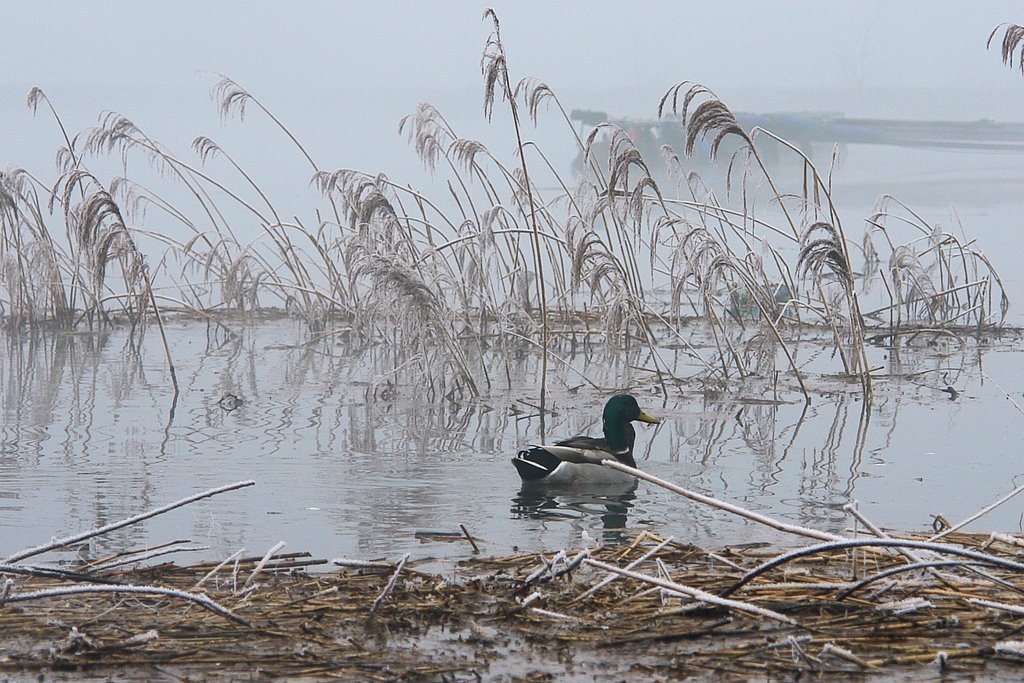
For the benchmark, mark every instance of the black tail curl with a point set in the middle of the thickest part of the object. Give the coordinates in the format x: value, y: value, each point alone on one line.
x: 535, y: 463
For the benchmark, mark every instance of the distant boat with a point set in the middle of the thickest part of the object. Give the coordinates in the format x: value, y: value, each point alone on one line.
x: 813, y: 130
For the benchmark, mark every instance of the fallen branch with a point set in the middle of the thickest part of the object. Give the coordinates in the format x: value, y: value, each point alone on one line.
x: 469, y: 538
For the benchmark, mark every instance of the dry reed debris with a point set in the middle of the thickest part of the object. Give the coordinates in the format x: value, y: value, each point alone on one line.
x: 397, y: 622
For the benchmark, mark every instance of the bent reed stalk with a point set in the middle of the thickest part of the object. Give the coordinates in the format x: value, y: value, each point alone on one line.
x: 495, y: 70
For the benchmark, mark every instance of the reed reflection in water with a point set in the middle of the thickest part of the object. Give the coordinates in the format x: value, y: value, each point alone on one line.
x: 348, y: 460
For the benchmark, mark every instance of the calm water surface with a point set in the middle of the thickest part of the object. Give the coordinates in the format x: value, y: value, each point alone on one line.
x: 347, y: 465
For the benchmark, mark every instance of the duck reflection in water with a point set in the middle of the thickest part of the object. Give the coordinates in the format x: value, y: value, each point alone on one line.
x: 610, y: 504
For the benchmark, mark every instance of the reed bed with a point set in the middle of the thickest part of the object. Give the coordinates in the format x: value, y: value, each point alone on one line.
x: 870, y: 604
x: 484, y: 256
x: 541, y: 615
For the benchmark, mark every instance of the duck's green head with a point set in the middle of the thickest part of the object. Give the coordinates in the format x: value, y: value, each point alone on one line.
x: 623, y: 408
x: 618, y: 413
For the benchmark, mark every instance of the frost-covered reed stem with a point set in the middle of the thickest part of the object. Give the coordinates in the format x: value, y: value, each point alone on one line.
x: 976, y: 515
x: 545, y: 568
x: 142, y: 557
x: 391, y: 583
x: 695, y: 593
x: 852, y: 509
x: 846, y: 592
x: 99, y: 531
x: 361, y: 564
x: 1015, y: 609
x: 874, y: 543
x: 263, y: 563
x: 552, y: 615
x: 201, y: 600
x: 225, y: 561
x: 632, y: 565
x: 495, y: 69
x: 722, y: 505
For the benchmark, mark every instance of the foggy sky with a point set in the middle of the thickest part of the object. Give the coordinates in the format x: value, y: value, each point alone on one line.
x: 342, y: 74
x: 431, y: 45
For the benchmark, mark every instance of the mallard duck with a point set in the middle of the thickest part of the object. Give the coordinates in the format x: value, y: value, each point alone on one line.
x: 578, y: 460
